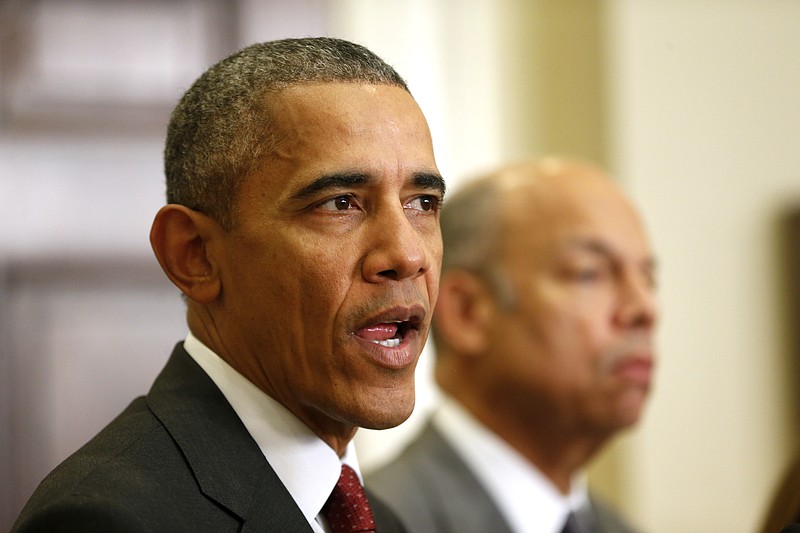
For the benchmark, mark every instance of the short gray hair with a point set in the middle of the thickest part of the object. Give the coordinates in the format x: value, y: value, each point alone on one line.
x: 472, y: 235
x: 221, y: 130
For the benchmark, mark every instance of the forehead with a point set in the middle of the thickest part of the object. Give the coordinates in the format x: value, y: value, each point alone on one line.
x: 339, y: 128
x: 332, y: 127
x: 581, y: 215
x: 354, y: 110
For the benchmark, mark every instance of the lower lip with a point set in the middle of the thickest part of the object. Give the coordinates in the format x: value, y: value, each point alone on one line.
x: 635, y: 370
x: 396, y: 358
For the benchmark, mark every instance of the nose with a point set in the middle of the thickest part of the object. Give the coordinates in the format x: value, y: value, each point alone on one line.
x: 637, y: 308
x: 396, y: 249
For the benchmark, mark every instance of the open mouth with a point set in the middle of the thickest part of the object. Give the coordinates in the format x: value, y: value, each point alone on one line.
x: 388, y: 334
x: 391, y: 328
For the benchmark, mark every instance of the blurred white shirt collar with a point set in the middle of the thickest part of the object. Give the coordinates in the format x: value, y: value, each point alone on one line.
x: 527, y: 499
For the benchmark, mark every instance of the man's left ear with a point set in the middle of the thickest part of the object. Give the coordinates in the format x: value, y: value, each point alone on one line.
x: 180, y: 239
x: 463, y: 313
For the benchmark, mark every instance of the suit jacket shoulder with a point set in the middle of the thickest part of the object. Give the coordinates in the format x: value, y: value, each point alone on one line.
x: 433, y: 490
x: 608, y: 520
x: 178, y: 460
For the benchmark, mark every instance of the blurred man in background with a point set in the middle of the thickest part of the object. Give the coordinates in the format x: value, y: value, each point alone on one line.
x: 544, y: 351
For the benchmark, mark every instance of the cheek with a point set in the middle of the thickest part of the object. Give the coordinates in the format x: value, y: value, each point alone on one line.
x: 576, y: 319
x: 593, y: 326
x: 545, y: 318
x: 559, y: 343
x: 320, y: 289
x: 285, y: 287
x: 432, y: 285
x: 576, y: 340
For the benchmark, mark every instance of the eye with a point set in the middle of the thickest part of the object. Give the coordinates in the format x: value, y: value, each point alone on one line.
x: 587, y: 275
x: 425, y: 202
x: 338, y: 203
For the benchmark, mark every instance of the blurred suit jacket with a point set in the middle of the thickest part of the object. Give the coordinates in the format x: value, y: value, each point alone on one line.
x: 177, y: 460
x: 784, y: 508
x: 432, y: 490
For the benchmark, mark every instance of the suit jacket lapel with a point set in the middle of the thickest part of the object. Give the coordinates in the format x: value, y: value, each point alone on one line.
x: 463, y: 499
x: 226, y: 461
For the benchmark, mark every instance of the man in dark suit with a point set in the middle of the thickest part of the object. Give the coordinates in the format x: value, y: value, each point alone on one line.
x: 543, y: 334
x: 302, y: 228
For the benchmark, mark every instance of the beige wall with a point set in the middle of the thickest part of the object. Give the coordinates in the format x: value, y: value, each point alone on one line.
x: 706, y: 132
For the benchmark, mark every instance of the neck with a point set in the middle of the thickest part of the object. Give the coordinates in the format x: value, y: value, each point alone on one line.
x: 334, y: 433
x: 555, y: 449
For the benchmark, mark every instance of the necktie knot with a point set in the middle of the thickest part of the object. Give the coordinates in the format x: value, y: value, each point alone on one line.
x: 581, y: 520
x: 347, y: 508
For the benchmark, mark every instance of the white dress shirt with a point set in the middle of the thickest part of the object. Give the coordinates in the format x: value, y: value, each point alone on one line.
x: 295, y: 452
x: 527, y: 499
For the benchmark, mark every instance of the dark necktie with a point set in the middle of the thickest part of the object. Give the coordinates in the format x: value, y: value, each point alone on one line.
x: 581, y: 520
x: 347, y: 508
x: 572, y: 525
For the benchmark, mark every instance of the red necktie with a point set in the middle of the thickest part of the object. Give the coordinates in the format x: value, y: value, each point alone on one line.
x: 347, y: 508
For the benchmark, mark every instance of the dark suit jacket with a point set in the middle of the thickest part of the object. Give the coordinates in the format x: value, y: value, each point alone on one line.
x: 177, y: 460
x: 433, y: 490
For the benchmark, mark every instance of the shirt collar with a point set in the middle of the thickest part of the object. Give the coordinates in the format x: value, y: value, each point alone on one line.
x: 295, y: 452
x: 528, y: 500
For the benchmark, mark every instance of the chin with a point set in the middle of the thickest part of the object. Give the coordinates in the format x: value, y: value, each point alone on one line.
x: 387, y: 411
x: 629, y: 410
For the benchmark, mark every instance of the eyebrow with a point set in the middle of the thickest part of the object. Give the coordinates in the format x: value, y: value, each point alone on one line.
x: 344, y: 180
x: 429, y: 180
x: 331, y: 182
x: 589, y: 245
x: 600, y: 248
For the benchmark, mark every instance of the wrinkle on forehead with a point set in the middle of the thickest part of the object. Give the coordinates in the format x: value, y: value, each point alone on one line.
x: 302, y: 110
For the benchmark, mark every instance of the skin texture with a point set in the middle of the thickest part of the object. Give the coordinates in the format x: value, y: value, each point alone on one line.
x: 568, y: 363
x: 336, y: 240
